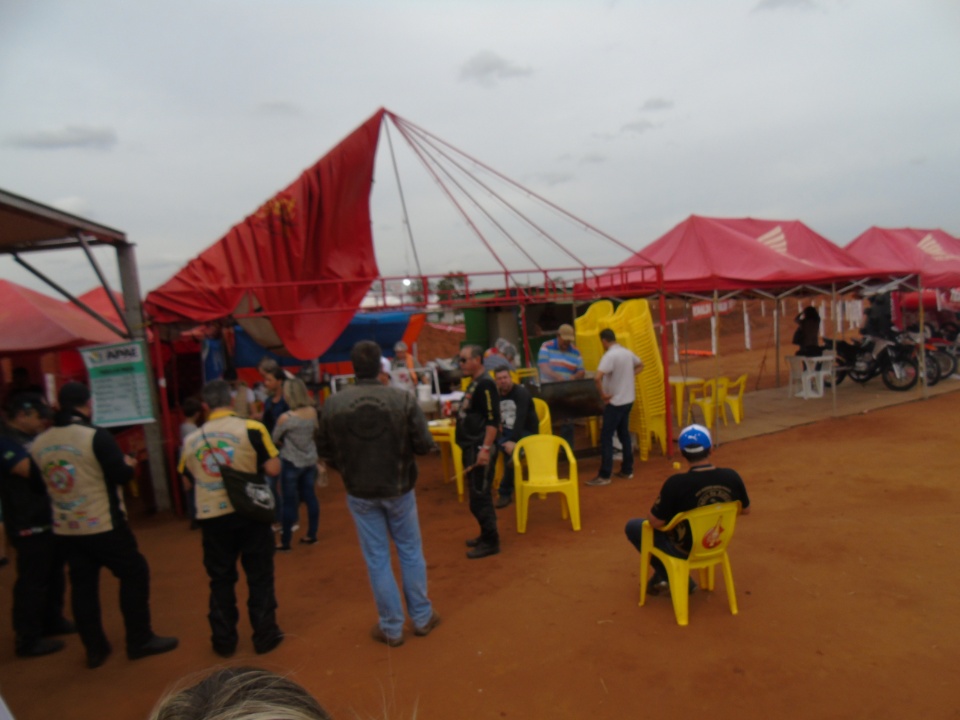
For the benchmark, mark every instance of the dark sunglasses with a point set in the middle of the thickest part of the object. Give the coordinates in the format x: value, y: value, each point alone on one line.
x: 462, y: 359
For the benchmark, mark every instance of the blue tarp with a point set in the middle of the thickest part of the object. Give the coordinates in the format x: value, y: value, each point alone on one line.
x: 385, y: 329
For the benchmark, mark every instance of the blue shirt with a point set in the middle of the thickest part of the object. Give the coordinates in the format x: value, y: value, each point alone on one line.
x: 566, y: 363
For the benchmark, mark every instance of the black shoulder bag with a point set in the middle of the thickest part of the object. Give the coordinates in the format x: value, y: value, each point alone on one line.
x: 248, y: 492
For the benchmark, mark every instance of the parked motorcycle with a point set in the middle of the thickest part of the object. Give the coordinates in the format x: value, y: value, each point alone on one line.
x: 864, y: 359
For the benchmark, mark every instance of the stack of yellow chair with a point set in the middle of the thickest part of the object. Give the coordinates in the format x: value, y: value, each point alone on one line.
x: 588, y: 332
x: 633, y: 325
x: 588, y: 329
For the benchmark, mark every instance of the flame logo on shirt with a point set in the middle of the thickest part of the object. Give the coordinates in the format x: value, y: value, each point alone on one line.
x: 60, y: 476
x: 712, y: 538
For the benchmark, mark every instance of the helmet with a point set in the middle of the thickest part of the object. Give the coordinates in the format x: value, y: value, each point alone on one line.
x: 695, y: 438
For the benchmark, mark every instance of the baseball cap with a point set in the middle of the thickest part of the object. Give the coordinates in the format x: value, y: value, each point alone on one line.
x: 695, y: 438
x: 73, y: 395
x: 566, y: 332
x: 29, y: 401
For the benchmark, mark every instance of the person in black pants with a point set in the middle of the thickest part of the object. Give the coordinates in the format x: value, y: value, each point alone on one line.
x: 84, y: 469
x: 228, y: 440
x: 39, y: 589
x: 478, y: 424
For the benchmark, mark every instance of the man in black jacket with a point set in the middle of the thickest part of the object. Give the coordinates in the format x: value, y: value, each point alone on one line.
x: 39, y: 589
x: 519, y: 418
x: 370, y: 432
x: 478, y: 424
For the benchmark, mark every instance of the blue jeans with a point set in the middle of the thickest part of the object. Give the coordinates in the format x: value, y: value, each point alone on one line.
x: 661, y: 541
x: 378, y: 520
x: 616, y: 419
x: 297, y: 483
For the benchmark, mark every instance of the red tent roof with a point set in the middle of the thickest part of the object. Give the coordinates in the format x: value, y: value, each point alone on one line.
x: 33, y: 322
x: 307, y: 249
x: 933, y: 254
x: 703, y: 254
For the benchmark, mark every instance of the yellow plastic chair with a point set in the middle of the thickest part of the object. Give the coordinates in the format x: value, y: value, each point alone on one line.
x: 444, y: 435
x: 543, y: 415
x: 711, y: 528
x: 544, y: 428
x: 593, y: 428
x: 539, y: 475
x: 731, y: 393
x: 530, y: 372
x: 705, y: 397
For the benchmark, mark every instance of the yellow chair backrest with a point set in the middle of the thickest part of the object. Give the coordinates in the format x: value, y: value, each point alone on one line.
x: 543, y: 415
x: 731, y: 393
x: 537, y: 473
x: 711, y: 528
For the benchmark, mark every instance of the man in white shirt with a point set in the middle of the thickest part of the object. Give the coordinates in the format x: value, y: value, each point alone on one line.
x: 615, y: 378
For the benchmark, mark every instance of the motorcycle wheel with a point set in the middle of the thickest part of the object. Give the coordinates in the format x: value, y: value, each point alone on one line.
x: 933, y: 369
x: 866, y: 371
x: 947, y: 363
x: 900, y: 375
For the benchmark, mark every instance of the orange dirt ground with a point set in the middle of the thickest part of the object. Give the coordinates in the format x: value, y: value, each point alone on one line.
x: 842, y: 578
x: 841, y: 574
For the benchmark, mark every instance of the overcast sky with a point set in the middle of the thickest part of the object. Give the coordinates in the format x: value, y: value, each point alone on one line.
x: 174, y: 120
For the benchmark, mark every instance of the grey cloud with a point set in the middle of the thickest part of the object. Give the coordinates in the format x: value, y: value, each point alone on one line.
x: 488, y: 68
x: 278, y: 107
x: 784, y: 4
x: 71, y: 136
x: 554, y: 178
x: 656, y: 104
x: 593, y: 159
x: 638, y: 126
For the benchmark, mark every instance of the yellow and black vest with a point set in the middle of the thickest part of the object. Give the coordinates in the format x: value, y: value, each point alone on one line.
x: 226, y: 443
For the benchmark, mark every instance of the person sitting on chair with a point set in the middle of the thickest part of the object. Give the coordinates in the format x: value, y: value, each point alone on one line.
x: 807, y: 335
x: 702, y: 484
x: 518, y: 417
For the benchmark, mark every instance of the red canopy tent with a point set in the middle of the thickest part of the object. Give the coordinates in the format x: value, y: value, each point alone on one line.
x: 308, y: 249
x: 932, y: 254
x: 704, y: 254
x: 33, y: 322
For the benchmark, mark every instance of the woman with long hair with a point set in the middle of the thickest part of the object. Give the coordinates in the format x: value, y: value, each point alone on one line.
x: 294, y: 434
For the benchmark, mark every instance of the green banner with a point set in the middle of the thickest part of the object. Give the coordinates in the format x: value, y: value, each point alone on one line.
x: 118, y: 383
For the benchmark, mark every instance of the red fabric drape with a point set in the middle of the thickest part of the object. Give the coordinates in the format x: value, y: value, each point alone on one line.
x: 316, y: 231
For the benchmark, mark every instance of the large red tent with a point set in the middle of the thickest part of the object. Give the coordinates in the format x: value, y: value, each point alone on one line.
x: 704, y: 254
x: 304, y: 259
x: 34, y: 322
x: 932, y: 254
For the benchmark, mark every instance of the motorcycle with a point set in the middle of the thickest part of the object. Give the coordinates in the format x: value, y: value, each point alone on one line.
x: 864, y: 359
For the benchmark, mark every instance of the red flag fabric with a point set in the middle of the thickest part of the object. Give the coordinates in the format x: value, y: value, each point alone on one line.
x: 305, y: 258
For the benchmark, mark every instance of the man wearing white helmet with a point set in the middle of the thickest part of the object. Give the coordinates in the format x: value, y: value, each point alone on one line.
x: 702, y: 484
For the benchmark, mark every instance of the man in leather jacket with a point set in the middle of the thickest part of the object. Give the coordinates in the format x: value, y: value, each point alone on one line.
x: 370, y: 432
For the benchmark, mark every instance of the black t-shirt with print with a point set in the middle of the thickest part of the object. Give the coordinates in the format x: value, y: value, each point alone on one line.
x: 696, y: 488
